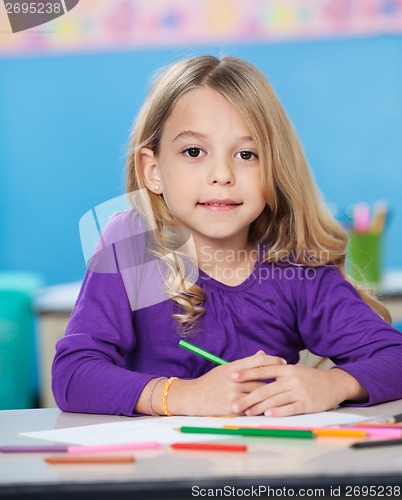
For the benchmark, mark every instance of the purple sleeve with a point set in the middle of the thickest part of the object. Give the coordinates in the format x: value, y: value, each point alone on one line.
x: 335, y: 322
x: 88, y: 374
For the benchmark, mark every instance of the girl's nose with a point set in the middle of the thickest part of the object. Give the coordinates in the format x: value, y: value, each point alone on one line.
x: 221, y: 173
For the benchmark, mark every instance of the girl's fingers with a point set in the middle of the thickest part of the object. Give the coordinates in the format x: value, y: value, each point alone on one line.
x: 257, y: 360
x: 267, y: 372
x: 267, y: 405
x: 262, y: 394
x: 278, y: 405
x: 295, y: 408
x: 250, y: 387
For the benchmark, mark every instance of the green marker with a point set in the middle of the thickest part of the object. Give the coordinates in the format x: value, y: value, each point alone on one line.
x: 202, y: 352
x: 279, y: 433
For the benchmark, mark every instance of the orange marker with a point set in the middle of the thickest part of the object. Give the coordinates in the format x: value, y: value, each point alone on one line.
x: 339, y: 433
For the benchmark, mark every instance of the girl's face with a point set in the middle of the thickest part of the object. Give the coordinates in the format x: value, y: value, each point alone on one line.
x: 208, y: 170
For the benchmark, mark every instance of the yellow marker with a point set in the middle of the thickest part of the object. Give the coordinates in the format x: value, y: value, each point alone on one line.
x: 380, y: 213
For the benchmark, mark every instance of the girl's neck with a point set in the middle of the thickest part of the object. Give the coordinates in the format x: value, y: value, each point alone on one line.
x: 227, y: 265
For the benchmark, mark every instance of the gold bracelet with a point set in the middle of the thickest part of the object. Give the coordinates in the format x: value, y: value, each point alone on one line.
x: 165, y: 393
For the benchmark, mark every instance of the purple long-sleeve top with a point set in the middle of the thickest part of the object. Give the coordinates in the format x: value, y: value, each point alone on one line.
x: 112, y: 349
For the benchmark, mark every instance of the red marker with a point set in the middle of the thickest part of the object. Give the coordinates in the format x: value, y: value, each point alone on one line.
x: 209, y: 446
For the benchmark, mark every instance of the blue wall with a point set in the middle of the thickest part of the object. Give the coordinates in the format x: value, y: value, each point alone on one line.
x: 65, y: 122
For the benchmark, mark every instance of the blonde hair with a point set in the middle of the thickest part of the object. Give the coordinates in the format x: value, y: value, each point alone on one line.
x: 295, y: 220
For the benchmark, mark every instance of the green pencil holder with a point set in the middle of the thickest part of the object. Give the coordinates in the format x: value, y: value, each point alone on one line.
x: 364, y: 262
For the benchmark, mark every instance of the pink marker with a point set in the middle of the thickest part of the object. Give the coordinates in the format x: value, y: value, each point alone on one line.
x: 150, y: 445
x: 377, y: 432
x: 361, y: 218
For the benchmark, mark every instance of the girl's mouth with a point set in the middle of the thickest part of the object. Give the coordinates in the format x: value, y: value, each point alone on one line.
x: 220, y: 205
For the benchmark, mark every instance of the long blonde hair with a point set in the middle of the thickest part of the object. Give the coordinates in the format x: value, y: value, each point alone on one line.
x: 295, y: 220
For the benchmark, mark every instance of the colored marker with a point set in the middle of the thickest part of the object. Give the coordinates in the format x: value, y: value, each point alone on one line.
x: 379, y: 217
x: 113, y: 447
x: 95, y: 459
x: 340, y: 432
x: 376, y: 443
x: 361, y: 217
x: 209, y: 446
x: 202, y: 352
x: 380, y: 426
x: 280, y: 433
x: 394, y: 419
x: 33, y: 449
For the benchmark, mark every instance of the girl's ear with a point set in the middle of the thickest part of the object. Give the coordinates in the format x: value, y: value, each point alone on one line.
x: 150, y: 170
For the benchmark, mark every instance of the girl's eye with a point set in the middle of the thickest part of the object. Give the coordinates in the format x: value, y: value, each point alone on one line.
x: 194, y: 152
x: 247, y: 155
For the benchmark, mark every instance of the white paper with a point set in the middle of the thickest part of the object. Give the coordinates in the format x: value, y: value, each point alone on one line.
x: 164, y: 429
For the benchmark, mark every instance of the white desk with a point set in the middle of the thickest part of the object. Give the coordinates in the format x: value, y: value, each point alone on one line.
x: 322, y: 463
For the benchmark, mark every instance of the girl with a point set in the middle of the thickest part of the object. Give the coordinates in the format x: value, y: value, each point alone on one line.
x: 216, y: 155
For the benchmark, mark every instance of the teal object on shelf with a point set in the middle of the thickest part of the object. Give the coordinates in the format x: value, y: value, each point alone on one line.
x: 17, y: 340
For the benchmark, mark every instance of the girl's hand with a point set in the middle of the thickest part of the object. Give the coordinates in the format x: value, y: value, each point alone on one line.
x: 295, y: 390
x: 214, y: 393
